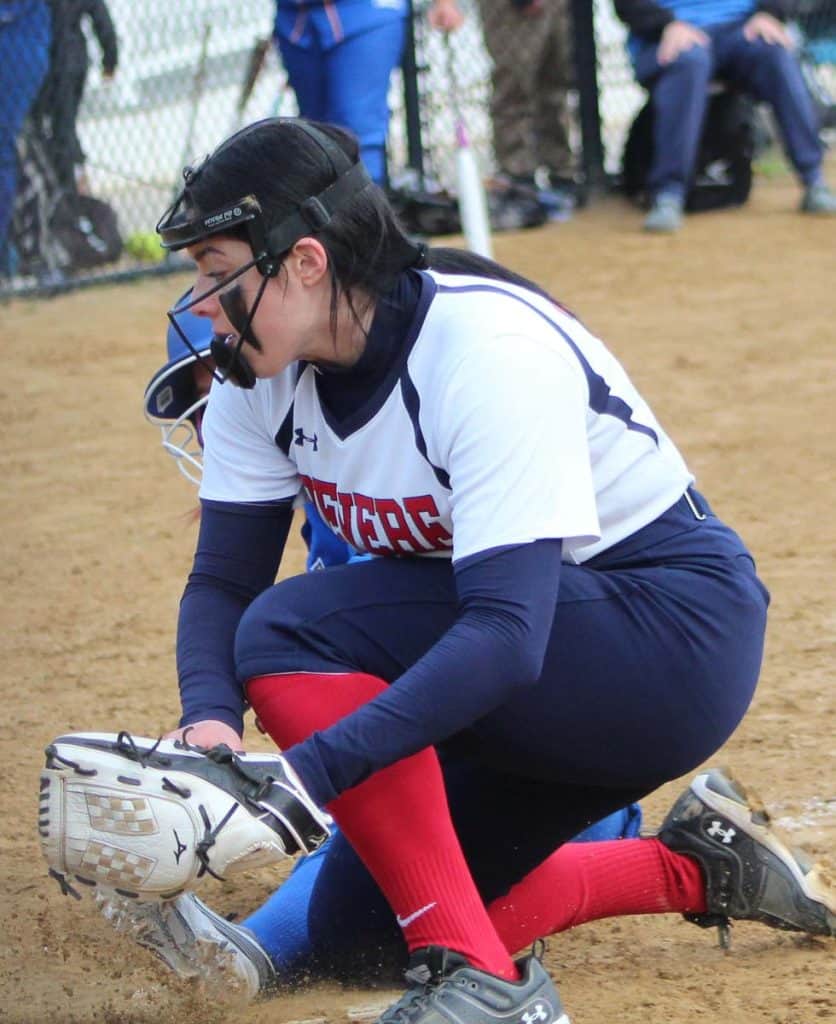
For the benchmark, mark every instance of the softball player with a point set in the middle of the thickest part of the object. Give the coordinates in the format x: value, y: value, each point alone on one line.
x: 339, y: 56
x: 175, y: 401
x: 551, y: 587
x: 296, y: 934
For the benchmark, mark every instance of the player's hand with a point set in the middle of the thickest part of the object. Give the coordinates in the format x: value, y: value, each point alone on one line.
x: 208, y: 733
x: 445, y: 15
x: 766, y: 27
x: 678, y: 37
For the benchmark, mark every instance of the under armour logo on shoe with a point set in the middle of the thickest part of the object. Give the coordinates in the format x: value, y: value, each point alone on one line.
x: 538, y: 1013
x: 302, y: 437
x: 716, y: 831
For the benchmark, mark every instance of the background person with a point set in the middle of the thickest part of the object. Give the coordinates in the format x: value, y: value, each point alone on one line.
x: 677, y: 48
x: 530, y: 44
x: 62, y: 93
x: 339, y: 58
x: 25, y: 33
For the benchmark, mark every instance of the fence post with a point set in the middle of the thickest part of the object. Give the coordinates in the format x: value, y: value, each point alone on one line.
x: 412, y: 102
x: 586, y: 73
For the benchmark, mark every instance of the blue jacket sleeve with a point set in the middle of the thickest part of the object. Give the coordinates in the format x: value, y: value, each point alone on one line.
x: 238, y: 553
x: 507, y: 602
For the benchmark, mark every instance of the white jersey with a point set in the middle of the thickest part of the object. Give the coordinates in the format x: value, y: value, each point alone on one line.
x: 504, y: 421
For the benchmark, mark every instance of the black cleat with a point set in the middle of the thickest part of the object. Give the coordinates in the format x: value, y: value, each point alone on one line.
x: 750, y: 875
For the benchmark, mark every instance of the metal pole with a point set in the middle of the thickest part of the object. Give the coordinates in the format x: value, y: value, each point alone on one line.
x: 586, y: 74
x: 412, y: 102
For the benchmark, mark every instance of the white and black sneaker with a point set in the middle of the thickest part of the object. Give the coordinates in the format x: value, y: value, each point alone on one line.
x: 750, y: 874
x: 445, y: 989
x: 194, y: 942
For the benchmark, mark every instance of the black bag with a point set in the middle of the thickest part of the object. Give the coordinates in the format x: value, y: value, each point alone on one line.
x: 91, y: 236
x: 437, y: 213
x: 723, y: 173
x: 515, y: 207
x: 426, y: 213
x: 51, y: 230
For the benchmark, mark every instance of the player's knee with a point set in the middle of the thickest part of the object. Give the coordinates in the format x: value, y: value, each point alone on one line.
x: 275, y: 633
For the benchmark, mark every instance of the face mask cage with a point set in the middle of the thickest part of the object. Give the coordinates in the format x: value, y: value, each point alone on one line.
x: 181, y: 429
x: 183, y: 441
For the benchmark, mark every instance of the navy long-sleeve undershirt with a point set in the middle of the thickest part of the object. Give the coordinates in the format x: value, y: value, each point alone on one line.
x: 507, y: 601
x: 237, y: 557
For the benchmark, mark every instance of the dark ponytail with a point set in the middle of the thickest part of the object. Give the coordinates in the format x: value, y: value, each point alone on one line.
x: 460, y: 261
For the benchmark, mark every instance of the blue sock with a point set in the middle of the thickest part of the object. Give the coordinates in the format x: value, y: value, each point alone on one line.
x: 623, y: 824
x: 281, y: 924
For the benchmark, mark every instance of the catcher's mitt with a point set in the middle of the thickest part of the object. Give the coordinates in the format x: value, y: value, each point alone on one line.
x: 149, y: 818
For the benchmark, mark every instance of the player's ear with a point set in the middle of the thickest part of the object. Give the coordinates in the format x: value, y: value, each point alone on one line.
x: 310, y: 261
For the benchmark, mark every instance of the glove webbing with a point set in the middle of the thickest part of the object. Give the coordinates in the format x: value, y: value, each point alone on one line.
x: 263, y: 788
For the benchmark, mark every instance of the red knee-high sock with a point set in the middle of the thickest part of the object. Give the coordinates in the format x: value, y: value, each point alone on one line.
x: 397, y: 820
x: 585, y: 881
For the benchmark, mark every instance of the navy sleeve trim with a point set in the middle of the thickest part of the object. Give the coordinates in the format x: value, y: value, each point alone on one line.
x: 249, y: 508
x: 412, y: 404
x: 284, y: 436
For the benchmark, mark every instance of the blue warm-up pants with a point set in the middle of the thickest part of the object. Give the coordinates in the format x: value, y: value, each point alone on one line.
x: 679, y: 93
x: 24, y: 58
x: 339, y: 59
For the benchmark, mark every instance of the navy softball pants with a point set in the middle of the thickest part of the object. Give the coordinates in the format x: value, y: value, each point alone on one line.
x: 653, y: 660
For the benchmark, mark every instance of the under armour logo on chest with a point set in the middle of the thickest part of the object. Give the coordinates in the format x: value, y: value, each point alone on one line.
x: 302, y: 437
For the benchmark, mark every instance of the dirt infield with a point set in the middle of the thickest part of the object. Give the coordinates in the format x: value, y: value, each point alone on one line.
x: 728, y: 330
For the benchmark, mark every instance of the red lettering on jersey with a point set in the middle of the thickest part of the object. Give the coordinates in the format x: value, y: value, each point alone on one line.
x: 423, y: 512
x: 393, y: 521
x: 381, y: 525
x: 367, y: 522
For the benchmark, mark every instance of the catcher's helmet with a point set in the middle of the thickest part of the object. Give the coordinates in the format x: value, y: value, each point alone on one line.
x: 172, y: 401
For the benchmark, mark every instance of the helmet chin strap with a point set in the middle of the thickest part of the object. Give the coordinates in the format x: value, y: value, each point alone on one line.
x: 230, y: 359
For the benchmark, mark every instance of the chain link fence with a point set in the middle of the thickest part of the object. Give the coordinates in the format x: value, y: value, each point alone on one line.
x: 177, y: 91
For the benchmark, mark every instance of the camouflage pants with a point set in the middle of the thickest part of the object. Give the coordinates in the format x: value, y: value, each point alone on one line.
x: 532, y: 56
